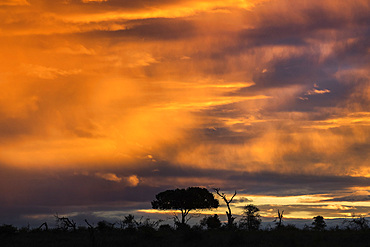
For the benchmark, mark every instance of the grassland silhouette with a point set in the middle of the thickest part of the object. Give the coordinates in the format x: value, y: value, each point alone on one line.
x: 210, y: 231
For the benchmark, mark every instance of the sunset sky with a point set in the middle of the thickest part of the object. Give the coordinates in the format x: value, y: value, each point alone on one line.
x: 105, y: 103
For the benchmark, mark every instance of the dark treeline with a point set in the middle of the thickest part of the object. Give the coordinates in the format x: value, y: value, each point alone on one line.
x: 210, y: 231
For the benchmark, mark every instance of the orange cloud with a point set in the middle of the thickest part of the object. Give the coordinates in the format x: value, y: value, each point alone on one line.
x: 47, y: 73
x: 14, y: 2
x: 152, y: 93
x: 99, y: 1
x: 109, y: 176
x: 132, y: 180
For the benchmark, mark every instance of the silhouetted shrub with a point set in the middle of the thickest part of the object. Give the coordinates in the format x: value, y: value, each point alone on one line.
x: 165, y: 227
x: 197, y: 228
x: 147, y: 223
x: 251, y: 220
x: 182, y: 226
x: 64, y: 223
x: 166, y: 236
x: 358, y: 222
x: 318, y: 223
x: 82, y: 228
x: 8, y: 229
x: 105, y: 226
x: 24, y: 229
x: 129, y: 222
x: 211, y: 222
x: 289, y: 227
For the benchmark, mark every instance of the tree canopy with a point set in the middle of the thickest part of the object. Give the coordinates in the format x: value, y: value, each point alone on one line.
x: 318, y: 223
x: 185, y: 200
x: 251, y: 219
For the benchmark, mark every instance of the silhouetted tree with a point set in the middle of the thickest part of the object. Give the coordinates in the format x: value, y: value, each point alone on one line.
x: 185, y: 200
x: 8, y: 229
x: 91, y: 230
x: 358, y: 222
x: 211, y: 222
x: 318, y: 223
x: 230, y: 218
x: 251, y: 219
x: 148, y: 224
x: 279, y: 219
x: 45, y: 225
x: 129, y: 222
x: 105, y: 226
x: 65, y: 223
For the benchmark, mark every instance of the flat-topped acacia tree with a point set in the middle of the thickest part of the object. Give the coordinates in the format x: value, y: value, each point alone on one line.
x: 185, y: 200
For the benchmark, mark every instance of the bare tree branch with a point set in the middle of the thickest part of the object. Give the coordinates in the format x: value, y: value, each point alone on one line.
x: 230, y: 218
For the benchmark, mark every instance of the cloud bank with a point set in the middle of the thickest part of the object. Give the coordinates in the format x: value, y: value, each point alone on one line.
x: 123, y: 99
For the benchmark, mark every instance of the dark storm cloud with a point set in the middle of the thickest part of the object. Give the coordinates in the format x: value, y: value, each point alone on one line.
x: 35, y: 188
x: 43, y: 193
x: 352, y: 198
x: 224, y: 135
x: 289, y: 71
x: 353, y: 53
x: 281, y: 30
x: 151, y: 29
x: 163, y: 29
x: 242, y: 200
x: 35, y: 193
x: 63, y: 189
x: 256, y: 182
x: 285, y: 185
x: 304, y: 69
x: 126, y: 4
x: 62, y: 6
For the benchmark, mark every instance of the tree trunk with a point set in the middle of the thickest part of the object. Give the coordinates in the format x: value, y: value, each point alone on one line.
x: 230, y: 219
x: 183, y: 215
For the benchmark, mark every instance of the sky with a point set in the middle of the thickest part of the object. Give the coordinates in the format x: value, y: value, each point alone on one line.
x: 105, y: 103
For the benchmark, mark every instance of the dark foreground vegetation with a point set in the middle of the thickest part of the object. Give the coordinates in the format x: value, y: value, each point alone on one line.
x: 209, y: 232
x: 149, y: 235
